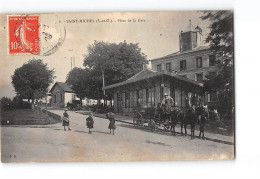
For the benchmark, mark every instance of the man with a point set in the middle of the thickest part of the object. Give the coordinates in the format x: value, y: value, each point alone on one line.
x: 166, y: 105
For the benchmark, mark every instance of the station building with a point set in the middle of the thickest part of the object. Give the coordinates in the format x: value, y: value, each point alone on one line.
x: 179, y: 74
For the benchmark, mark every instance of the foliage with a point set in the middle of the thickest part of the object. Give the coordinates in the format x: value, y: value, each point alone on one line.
x: 221, y: 41
x: 117, y: 62
x: 31, y: 81
x: 11, y: 104
x: 77, y: 79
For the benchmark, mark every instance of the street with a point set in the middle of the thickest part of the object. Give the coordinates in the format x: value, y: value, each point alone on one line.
x: 53, y: 144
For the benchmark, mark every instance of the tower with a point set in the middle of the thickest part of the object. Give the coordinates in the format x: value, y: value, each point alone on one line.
x: 190, y: 38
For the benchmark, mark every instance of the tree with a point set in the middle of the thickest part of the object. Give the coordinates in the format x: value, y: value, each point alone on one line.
x: 221, y: 40
x: 110, y: 63
x: 31, y: 81
x: 78, y: 80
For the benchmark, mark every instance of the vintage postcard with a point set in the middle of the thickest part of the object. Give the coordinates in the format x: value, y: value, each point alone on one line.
x: 117, y: 86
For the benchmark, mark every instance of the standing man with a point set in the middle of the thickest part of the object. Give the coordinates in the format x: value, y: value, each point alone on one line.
x: 166, y: 105
x: 65, y: 120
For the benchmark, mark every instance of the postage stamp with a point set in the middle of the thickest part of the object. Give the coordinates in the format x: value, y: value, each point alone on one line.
x: 24, y: 34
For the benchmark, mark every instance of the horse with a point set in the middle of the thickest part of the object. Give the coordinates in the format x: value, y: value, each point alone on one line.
x: 202, y: 116
x: 174, y: 118
x: 189, y: 118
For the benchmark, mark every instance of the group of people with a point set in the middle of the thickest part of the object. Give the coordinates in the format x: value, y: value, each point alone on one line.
x: 90, y: 121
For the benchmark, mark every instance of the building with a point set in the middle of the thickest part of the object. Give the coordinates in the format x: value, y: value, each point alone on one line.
x: 147, y: 88
x: 193, y: 60
x: 61, y: 94
x: 179, y: 74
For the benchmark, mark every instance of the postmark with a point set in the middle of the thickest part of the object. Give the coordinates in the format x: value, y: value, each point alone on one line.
x: 24, y: 34
x: 52, y: 36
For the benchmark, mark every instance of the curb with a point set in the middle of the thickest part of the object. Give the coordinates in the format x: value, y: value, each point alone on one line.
x: 196, y: 136
x: 30, y: 126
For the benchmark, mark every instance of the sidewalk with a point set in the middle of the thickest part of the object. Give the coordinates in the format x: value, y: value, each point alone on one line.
x: 208, y: 136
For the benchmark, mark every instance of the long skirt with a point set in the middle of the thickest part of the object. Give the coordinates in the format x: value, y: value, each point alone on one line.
x: 112, y: 126
x: 90, y: 125
x: 65, y: 123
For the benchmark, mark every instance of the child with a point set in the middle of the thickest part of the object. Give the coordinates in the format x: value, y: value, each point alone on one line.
x: 112, y: 122
x: 90, y: 122
x: 65, y: 120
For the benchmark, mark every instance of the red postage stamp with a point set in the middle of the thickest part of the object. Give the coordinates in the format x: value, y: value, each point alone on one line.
x: 24, y: 34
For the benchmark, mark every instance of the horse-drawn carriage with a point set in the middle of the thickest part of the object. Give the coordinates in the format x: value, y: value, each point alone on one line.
x: 153, y: 117
x: 159, y: 118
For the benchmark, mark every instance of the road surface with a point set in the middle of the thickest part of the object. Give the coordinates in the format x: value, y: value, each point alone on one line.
x: 53, y: 144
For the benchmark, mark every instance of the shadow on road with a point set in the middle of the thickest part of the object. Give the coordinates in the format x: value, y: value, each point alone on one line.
x: 100, y: 132
x: 146, y: 129
x: 157, y: 143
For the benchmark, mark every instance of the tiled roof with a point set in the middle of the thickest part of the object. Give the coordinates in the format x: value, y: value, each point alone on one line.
x: 148, y: 73
x: 183, y: 52
x: 64, y: 86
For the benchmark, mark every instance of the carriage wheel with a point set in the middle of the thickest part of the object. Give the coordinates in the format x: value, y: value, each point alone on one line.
x: 167, y: 127
x: 152, y: 125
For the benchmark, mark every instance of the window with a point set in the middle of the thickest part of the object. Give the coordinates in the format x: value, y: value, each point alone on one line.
x: 177, y: 97
x: 184, y: 97
x: 199, y: 77
x: 199, y: 62
x: 119, y: 99
x: 139, y: 97
x: 212, y: 60
x: 150, y: 94
x: 159, y: 67
x: 183, y: 65
x: 127, y: 99
x: 54, y: 98
x: 61, y: 98
x: 168, y: 67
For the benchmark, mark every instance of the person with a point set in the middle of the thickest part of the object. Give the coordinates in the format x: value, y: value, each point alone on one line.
x: 216, y: 115
x: 166, y: 105
x: 65, y: 120
x: 112, y: 125
x: 90, y: 122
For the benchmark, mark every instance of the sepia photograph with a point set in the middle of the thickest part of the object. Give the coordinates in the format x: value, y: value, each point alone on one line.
x: 117, y: 86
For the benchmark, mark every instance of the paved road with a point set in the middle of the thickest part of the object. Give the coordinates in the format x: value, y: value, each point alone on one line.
x: 128, y: 144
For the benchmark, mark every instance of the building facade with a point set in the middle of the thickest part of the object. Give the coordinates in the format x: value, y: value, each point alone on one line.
x: 179, y: 74
x: 193, y: 60
x: 147, y: 89
x: 61, y: 94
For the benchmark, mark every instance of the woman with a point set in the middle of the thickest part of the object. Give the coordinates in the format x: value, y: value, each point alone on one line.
x: 65, y: 120
x: 112, y: 125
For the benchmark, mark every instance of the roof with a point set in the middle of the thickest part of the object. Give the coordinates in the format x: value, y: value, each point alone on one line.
x: 64, y: 86
x: 182, y: 52
x: 191, y: 28
x: 148, y: 73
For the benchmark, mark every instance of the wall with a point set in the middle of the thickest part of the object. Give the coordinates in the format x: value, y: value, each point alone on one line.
x: 59, y: 101
x: 190, y: 64
x: 69, y: 97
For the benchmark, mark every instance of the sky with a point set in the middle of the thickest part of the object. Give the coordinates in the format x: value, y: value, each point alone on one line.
x: 157, y: 34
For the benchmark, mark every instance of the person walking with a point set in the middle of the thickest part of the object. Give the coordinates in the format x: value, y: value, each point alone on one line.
x: 90, y: 122
x: 112, y: 125
x: 65, y: 120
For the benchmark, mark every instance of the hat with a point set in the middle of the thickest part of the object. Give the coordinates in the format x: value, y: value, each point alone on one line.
x: 165, y: 94
x: 65, y: 109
